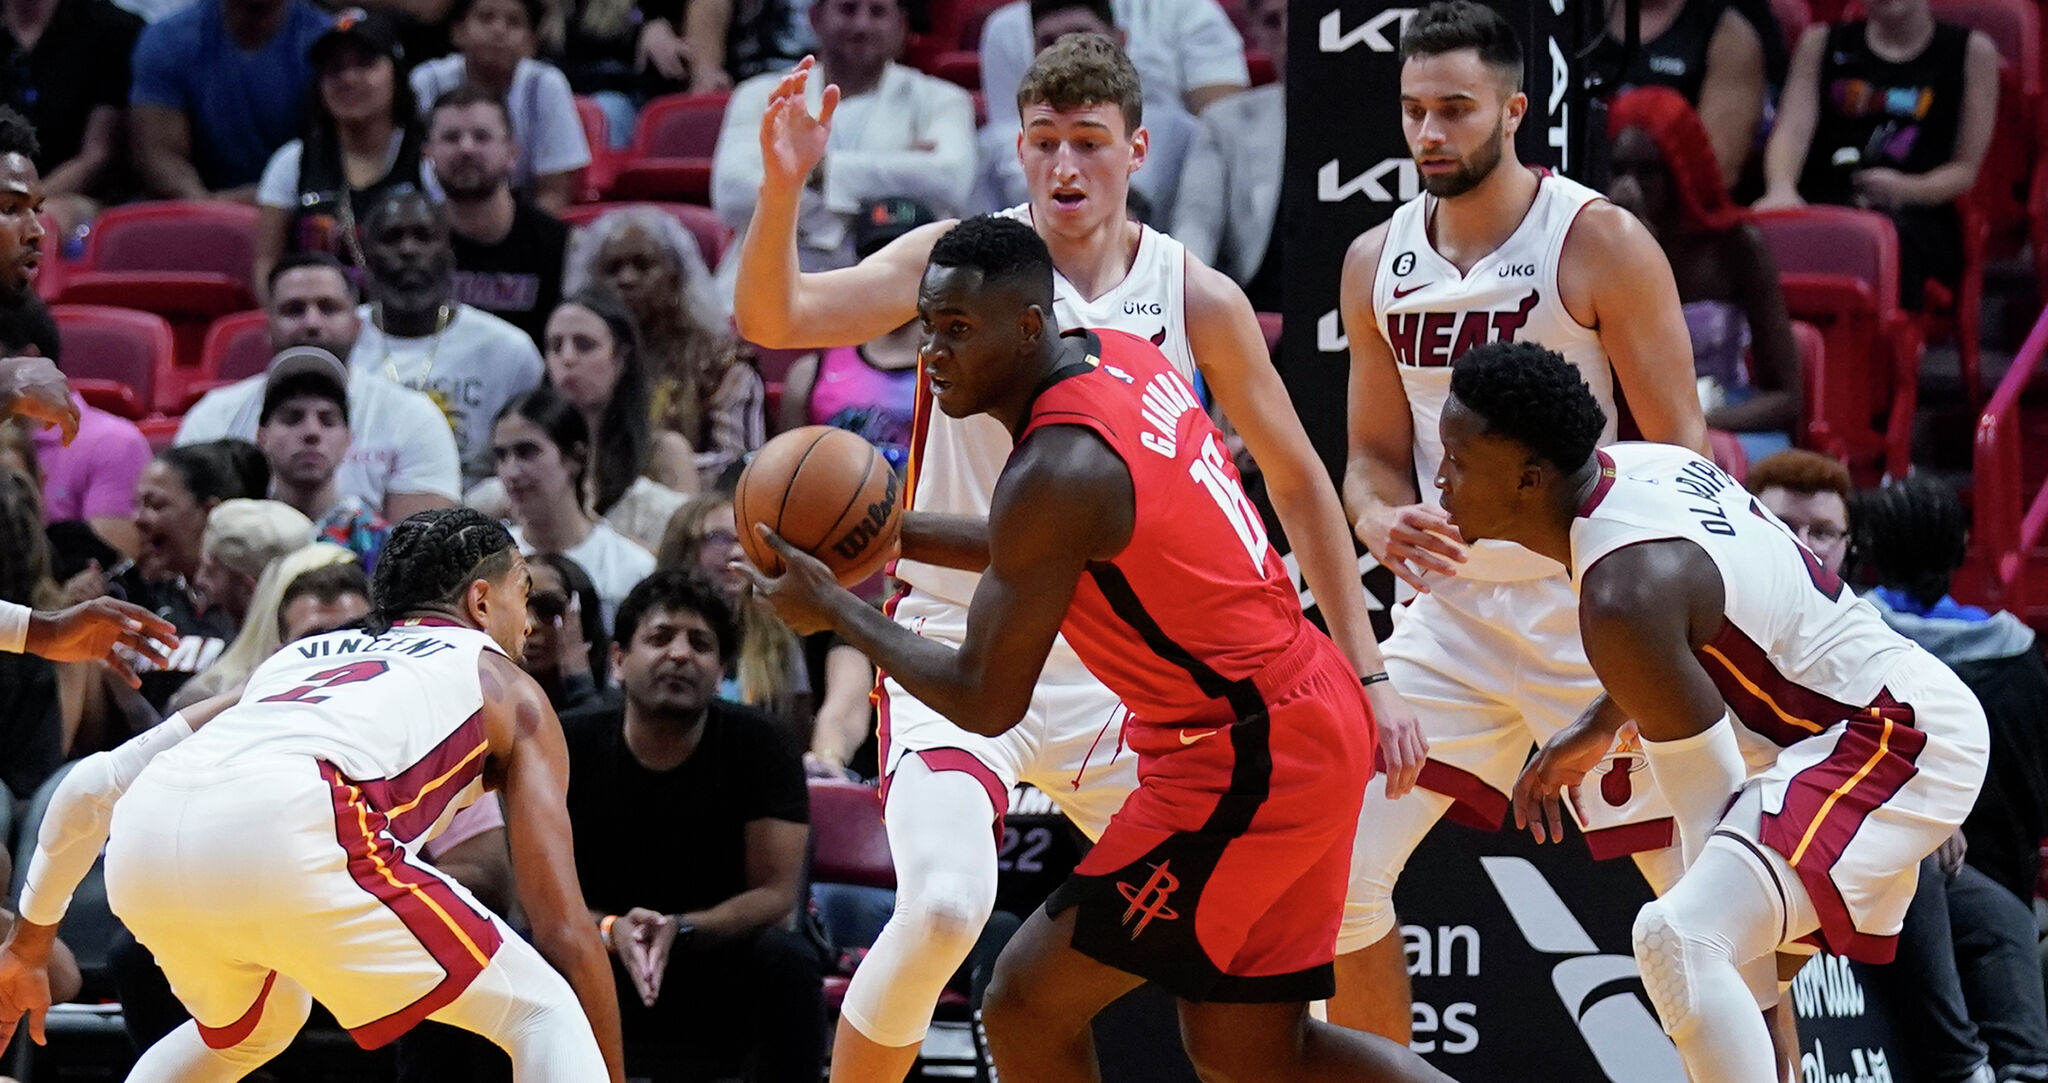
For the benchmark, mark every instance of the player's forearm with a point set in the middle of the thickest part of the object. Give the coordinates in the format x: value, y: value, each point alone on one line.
x: 931, y: 671
x: 573, y: 947
x: 1314, y: 522
x: 765, y: 302
x: 1370, y: 483
x: 949, y: 541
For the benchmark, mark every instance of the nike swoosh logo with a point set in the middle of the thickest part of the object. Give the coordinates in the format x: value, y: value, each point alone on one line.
x: 1400, y: 293
x: 1187, y: 739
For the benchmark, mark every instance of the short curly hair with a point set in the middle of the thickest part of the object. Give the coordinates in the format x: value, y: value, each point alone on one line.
x: 1081, y: 70
x: 1533, y: 396
x: 1002, y: 249
x: 431, y: 558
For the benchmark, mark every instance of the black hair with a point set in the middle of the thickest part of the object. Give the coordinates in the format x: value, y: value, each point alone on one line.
x: 579, y: 584
x: 328, y: 583
x: 1451, y: 25
x: 294, y: 261
x: 625, y: 436
x: 1003, y: 250
x: 676, y: 591
x: 1098, y: 8
x: 301, y: 385
x: 1533, y: 396
x: 18, y: 136
x: 28, y: 323
x: 467, y: 93
x: 562, y: 422
x: 1914, y: 534
x: 430, y: 560
x: 536, y: 15
x: 220, y: 470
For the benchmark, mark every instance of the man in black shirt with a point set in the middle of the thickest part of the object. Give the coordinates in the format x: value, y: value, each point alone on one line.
x: 508, y: 252
x: 691, y: 822
x: 68, y: 63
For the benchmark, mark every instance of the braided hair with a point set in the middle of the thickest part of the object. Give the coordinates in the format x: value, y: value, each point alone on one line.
x: 431, y: 559
x: 1914, y: 533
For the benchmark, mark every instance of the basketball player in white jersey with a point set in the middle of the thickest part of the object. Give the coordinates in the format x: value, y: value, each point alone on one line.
x: 1752, y: 672
x: 1081, y: 141
x: 1487, y: 653
x: 269, y: 858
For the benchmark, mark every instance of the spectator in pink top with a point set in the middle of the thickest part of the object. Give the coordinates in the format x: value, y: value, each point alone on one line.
x: 93, y: 480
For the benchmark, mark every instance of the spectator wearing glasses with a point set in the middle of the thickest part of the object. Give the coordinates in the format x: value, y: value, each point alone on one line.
x: 218, y: 88
x: 495, y: 42
x: 1810, y: 493
x: 362, y: 140
x: 508, y: 250
x: 569, y: 649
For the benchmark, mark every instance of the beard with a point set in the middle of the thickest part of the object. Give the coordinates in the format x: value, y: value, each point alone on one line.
x: 1471, y: 172
x: 471, y: 185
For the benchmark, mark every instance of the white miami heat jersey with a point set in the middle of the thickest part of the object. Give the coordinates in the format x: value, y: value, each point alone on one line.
x: 1799, y: 651
x: 398, y: 715
x: 1430, y: 314
x: 955, y: 462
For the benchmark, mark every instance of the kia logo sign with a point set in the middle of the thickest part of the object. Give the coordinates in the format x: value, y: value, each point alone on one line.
x: 1331, y: 37
x: 1332, y: 187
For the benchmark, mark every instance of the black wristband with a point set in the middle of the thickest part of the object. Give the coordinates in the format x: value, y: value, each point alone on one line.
x: 1371, y: 679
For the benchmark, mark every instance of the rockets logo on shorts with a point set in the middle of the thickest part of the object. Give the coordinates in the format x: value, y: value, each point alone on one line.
x: 1149, y: 902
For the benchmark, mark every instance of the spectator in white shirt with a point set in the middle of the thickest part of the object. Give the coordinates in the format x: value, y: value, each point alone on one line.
x: 494, y: 40
x: 416, y: 333
x: 1227, y: 211
x: 1187, y: 54
x: 403, y: 457
x: 898, y: 132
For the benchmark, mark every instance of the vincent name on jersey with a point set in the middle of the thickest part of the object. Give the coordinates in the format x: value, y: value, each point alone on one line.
x: 411, y: 645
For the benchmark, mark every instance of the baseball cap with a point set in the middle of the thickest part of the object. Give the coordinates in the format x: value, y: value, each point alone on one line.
x: 305, y: 370
x: 880, y: 221
x: 372, y: 30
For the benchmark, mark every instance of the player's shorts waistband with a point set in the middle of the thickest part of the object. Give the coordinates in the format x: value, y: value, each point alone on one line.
x: 1310, y: 648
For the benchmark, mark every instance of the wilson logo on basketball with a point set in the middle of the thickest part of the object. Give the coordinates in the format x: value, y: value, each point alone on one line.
x: 870, y: 526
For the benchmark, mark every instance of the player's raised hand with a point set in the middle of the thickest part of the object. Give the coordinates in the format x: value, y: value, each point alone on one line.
x: 25, y: 980
x: 803, y: 594
x: 33, y: 388
x: 89, y: 631
x: 1412, y: 541
x: 1403, y: 745
x: 792, y: 140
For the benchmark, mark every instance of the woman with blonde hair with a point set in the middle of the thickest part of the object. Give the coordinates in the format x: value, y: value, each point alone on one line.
x: 698, y: 384
x: 260, y: 636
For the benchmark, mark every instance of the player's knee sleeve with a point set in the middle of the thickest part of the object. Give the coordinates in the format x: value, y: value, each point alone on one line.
x: 1368, y: 914
x: 938, y: 919
x: 947, y: 912
x: 1671, y: 956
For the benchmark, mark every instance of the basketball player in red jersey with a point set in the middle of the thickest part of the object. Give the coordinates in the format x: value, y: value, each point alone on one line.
x: 1489, y: 651
x: 1120, y: 522
x: 1082, y: 139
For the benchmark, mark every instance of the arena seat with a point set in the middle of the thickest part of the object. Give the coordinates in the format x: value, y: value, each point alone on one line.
x: 237, y: 347
x: 702, y: 222
x: 115, y: 357
x: 188, y: 261
x: 604, y: 161
x: 1793, y: 18
x: 1259, y: 65
x: 961, y: 67
x: 1839, y: 269
x: 672, y: 148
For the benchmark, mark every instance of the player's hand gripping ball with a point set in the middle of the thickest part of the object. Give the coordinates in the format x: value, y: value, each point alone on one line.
x: 827, y: 492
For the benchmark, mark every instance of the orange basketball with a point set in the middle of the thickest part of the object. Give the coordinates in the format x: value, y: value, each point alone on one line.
x: 827, y: 492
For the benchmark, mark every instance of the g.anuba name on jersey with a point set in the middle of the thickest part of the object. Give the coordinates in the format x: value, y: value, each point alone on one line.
x: 1425, y: 339
x: 411, y: 645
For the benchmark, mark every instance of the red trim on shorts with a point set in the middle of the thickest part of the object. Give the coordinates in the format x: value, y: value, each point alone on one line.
x: 1623, y: 840
x: 1827, y: 803
x: 1473, y: 802
x: 457, y: 937
x: 416, y: 797
x: 878, y: 695
x: 237, y: 1032
x: 959, y: 759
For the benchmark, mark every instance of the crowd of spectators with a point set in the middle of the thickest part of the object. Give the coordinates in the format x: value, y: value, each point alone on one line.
x: 439, y: 334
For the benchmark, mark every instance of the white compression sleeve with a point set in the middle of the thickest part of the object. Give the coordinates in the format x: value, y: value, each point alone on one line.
x: 13, y: 627
x: 75, y: 823
x: 1697, y: 775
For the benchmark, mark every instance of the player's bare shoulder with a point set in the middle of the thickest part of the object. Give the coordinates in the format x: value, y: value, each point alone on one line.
x: 515, y: 708
x: 1362, y: 268
x: 1604, y: 244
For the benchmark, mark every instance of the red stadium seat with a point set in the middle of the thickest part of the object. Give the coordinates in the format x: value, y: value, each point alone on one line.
x: 2012, y: 25
x: 672, y: 147
x: 1839, y: 268
x: 237, y: 347
x: 959, y: 66
x: 849, y: 845
x: 604, y: 161
x: 114, y: 357
x: 702, y: 222
x: 1793, y: 19
x: 1261, y: 67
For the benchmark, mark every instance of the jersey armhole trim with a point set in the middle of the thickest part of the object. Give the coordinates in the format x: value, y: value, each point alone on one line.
x: 1557, y: 269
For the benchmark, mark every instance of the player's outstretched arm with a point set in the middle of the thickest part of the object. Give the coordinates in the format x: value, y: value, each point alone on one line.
x: 87, y: 632
x: 1643, y: 609
x: 1225, y: 335
x: 1561, y: 764
x: 1408, y: 537
x: 774, y: 304
x: 1064, y: 500
x: 531, y: 763
x: 1611, y: 258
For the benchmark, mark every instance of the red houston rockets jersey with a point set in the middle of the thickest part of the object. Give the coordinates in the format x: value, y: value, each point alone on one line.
x: 1198, y: 602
